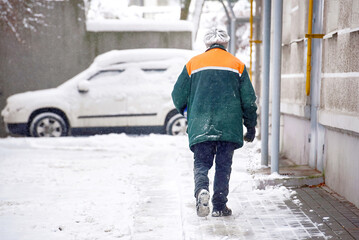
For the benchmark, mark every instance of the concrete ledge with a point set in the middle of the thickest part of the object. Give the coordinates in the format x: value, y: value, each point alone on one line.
x: 295, y: 109
x: 290, y: 175
x: 339, y: 120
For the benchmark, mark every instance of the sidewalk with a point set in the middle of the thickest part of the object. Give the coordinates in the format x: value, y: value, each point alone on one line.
x: 334, y: 216
x: 331, y: 214
x: 141, y: 188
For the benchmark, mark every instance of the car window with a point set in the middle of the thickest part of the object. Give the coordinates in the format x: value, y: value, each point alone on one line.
x: 118, y: 63
x: 154, y: 70
x: 106, y: 75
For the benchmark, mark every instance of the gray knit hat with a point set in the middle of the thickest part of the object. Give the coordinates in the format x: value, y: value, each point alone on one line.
x: 216, y: 35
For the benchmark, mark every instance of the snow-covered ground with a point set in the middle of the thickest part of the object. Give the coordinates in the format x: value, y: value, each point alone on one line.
x: 131, y: 187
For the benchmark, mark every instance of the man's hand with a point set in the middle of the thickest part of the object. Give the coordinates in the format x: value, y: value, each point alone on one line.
x: 250, y: 135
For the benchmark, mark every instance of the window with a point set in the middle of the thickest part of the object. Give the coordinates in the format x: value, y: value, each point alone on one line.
x: 105, y: 74
x: 154, y: 70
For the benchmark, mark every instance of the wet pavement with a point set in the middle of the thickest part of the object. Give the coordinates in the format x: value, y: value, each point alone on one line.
x: 331, y: 214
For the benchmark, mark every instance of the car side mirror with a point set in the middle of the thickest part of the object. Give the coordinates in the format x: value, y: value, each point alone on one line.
x: 83, y: 86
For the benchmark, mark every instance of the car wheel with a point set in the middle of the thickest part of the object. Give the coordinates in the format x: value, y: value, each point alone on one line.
x: 177, y: 125
x: 48, y: 124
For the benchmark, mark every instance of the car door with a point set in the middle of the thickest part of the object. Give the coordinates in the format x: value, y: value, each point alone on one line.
x: 104, y: 104
x: 149, y: 96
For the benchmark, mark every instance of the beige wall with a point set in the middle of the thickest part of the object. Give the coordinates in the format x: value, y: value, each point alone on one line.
x: 340, y: 84
x: 342, y: 164
x: 295, y: 105
x: 293, y: 98
x: 338, y: 112
x: 339, y: 97
x: 295, y: 146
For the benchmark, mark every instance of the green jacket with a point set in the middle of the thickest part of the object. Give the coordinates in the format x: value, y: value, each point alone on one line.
x: 215, y: 88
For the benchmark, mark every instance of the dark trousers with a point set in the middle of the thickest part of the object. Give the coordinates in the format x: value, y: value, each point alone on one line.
x: 203, y: 160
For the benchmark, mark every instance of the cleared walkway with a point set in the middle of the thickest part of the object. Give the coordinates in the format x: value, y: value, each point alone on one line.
x: 141, y: 187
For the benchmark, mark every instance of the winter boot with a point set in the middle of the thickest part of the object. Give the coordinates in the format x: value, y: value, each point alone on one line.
x: 224, y: 212
x: 202, y: 204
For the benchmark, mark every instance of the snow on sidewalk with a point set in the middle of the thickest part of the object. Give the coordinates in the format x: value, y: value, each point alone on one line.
x: 131, y: 187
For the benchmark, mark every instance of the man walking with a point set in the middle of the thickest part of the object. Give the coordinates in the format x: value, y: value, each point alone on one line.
x: 216, y: 90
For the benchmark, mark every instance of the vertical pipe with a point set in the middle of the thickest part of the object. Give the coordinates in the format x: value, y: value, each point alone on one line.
x: 315, y: 83
x: 257, y: 69
x: 265, y: 81
x: 276, y: 79
x: 309, y: 47
x: 233, y: 36
x: 310, y: 88
x: 231, y: 28
x: 251, y: 41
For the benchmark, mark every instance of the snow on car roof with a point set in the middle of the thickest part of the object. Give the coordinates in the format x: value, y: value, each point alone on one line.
x: 144, y: 54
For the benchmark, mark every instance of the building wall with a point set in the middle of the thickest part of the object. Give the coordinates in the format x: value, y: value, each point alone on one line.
x: 342, y: 163
x: 339, y: 97
x: 295, y: 105
x: 295, y: 146
x: 47, y: 56
x: 62, y: 48
x: 100, y: 42
x: 338, y: 112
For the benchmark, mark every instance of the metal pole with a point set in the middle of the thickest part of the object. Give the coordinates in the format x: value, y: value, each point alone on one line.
x: 265, y: 80
x: 251, y: 41
x: 257, y: 66
x: 233, y: 36
x: 232, y: 27
x: 231, y: 8
x: 314, y: 82
x: 276, y: 79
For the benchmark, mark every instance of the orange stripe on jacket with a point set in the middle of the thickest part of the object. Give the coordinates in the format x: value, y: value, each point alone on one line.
x: 214, y: 58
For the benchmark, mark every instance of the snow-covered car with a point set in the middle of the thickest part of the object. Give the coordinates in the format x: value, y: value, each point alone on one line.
x: 122, y: 91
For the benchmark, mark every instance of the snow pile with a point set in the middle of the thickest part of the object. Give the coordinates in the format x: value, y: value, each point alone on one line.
x: 114, y: 9
x: 110, y: 9
x: 114, y: 15
x: 141, y: 55
x: 115, y: 25
x: 279, y: 192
